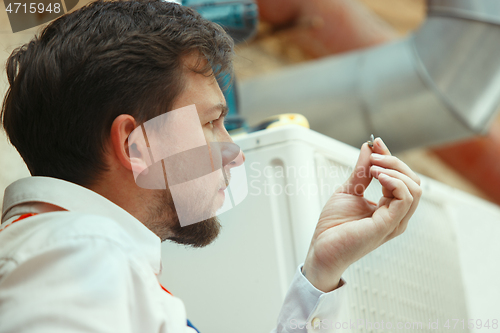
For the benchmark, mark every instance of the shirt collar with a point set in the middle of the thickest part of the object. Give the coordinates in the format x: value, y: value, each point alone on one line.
x: 75, y: 198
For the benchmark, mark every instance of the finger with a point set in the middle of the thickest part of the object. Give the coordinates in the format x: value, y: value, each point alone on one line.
x: 385, y: 192
x: 392, y: 162
x: 379, y: 147
x: 413, y: 187
x: 398, y: 207
x: 360, y: 177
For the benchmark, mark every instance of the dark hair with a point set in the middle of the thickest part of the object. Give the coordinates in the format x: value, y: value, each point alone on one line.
x: 69, y: 83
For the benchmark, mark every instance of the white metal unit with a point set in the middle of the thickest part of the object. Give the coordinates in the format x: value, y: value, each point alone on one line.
x: 441, y: 268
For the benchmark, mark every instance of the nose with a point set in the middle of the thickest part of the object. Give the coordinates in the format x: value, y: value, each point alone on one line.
x: 232, y: 156
x: 239, y: 160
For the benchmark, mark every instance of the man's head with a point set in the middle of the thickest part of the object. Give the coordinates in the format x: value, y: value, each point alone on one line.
x: 79, y: 89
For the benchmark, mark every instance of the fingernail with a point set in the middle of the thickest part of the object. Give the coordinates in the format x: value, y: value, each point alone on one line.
x: 382, y: 144
x: 377, y: 157
x: 383, y: 175
x: 374, y: 170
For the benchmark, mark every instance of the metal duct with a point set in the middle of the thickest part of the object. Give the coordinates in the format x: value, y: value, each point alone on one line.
x: 440, y: 84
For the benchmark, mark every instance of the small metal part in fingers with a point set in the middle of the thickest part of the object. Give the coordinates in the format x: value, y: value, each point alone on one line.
x: 370, y: 142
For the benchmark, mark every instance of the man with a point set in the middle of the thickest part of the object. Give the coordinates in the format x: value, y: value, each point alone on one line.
x: 80, y: 241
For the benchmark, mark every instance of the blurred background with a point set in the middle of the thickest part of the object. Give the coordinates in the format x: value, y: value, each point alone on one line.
x: 291, y: 33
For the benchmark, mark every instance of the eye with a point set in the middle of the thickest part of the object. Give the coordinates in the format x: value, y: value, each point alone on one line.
x: 215, y: 121
x: 212, y: 122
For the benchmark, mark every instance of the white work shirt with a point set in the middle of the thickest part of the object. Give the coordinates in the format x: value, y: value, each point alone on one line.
x: 84, y: 264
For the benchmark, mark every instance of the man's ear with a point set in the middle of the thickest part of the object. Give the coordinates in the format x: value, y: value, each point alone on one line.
x: 129, y: 145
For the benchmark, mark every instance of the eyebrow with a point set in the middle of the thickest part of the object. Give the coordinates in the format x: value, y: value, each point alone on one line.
x: 222, y: 108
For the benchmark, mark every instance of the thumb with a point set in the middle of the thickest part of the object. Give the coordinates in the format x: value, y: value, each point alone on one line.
x: 360, y: 177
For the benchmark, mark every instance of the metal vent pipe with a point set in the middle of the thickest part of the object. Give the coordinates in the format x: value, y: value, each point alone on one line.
x: 439, y: 84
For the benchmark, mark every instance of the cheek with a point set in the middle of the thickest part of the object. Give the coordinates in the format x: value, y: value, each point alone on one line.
x: 221, y: 133
x: 209, y: 134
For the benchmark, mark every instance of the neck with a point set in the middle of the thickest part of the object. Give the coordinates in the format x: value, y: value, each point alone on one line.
x: 124, y: 193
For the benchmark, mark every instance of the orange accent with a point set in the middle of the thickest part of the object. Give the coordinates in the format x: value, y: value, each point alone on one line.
x: 477, y: 160
x: 22, y: 217
x: 162, y: 287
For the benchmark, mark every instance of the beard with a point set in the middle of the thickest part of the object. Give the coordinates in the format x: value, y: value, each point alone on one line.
x: 165, y: 223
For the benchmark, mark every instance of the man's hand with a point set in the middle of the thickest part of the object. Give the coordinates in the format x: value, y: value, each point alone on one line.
x: 351, y: 226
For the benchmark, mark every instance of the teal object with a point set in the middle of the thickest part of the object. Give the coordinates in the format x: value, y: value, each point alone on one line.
x: 239, y: 17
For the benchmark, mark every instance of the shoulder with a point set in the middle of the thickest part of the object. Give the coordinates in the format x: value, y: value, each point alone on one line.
x: 69, y: 247
x: 46, y: 231
x: 73, y: 267
x: 64, y: 225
